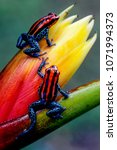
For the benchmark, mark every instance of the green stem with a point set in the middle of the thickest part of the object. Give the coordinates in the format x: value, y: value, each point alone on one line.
x: 81, y: 100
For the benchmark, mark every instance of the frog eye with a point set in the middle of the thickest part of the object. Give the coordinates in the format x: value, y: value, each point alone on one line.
x: 48, y: 70
x: 53, y: 14
x: 54, y: 67
x: 47, y: 20
x: 50, y: 14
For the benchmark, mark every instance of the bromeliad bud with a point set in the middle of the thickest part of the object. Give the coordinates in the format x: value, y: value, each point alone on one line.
x: 19, y: 80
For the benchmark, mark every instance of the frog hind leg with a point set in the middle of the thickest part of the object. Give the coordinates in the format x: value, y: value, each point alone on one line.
x: 34, y: 47
x: 38, y: 105
x: 55, y: 110
x: 31, y: 52
x: 21, y: 42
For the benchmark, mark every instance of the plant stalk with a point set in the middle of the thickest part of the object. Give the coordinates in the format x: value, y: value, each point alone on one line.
x: 81, y: 100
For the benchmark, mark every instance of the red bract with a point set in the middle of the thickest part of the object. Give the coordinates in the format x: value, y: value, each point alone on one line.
x: 10, y: 130
x: 19, y: 84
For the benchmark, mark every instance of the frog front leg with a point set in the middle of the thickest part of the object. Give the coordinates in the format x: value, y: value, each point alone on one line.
x: 43, y: 63
x: 34, y: 107
x: 65, y: 94
x: 47, y: 39
x: 55, y: 110
x: 44, y: 34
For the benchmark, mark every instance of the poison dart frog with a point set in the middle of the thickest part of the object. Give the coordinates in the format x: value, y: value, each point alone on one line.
x: 38, y: 31
x: 47, y: 92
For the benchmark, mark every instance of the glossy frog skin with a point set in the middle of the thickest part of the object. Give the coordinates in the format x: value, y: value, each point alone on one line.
x: 38, y: 31
x: 47, y: 92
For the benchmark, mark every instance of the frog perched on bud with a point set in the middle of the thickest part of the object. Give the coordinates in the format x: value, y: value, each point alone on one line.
x: 38, y: 31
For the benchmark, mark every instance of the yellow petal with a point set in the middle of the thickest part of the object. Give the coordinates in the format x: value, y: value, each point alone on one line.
x: 62, y: 26
x: 73, y: 36
x: 71, y: 62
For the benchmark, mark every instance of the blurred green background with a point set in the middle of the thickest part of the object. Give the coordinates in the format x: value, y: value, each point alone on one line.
x: 16, y: 16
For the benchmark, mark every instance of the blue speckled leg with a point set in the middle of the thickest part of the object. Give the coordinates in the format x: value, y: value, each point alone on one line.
x: 55, y: 110
x: 43, y: 63
x: 22, y: 41
x: 38, y: 105
x: 31, y: 52
x: 47, y: 39
x: 65, y: 94
x: 34, y: 47
x: 42, y: 34
x: 25, y: 40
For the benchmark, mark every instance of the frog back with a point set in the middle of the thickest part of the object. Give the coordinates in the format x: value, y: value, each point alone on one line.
x: 49, y: 88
